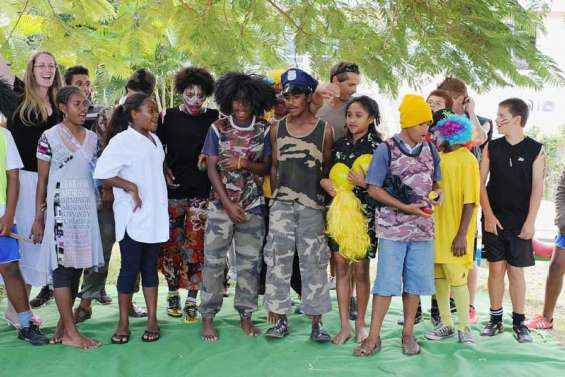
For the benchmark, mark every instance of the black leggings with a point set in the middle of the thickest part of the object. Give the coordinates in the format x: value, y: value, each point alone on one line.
x: 67, y: 277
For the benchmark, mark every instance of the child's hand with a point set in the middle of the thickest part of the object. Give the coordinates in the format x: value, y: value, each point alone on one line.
x: 170, y: 178
x: 459, y: 246
x: 437, y: 201
x: 235, y: 213
x: 328, y: 186
x: 37, y: 230
x: 416, y: 209
x: 6, y: 225
x: 201, y: 163
x: 329, y: 92
x: 231, y: 163
x: 528, y: 230
x: 358, y: 179
x: 134, y: 192
x: 492, y: 224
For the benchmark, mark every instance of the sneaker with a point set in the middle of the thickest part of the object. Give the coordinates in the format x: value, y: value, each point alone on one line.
x: 104, y: 299
x: 522, y: 333
x: 492, y: 328
x: 173, y: 305
x: 452, y: 306
x: 353, y: 309
x: 136, y: 311
x: 190, y: 313
x: 472, y: 315
x: 441, y: 332
x: 279, y: 330
x: 33, y: 335
x: 465, y: 336
x: 418, y: 319
x: 44, y: 296
x: 331, y: 282
x: 539, y: 323
x: 434, y: 317
x: 319, y: 333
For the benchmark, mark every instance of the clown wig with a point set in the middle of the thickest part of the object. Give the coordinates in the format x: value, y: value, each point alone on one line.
x: 454, y: 130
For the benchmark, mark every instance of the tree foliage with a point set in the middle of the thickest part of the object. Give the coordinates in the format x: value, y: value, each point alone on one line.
x: 554, y: 151
x: 394, y: 41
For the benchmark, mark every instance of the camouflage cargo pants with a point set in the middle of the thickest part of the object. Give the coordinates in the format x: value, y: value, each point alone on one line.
x: 248, y: 237
x: 292, y: 225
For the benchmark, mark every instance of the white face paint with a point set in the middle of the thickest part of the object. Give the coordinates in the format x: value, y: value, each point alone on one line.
x: 193, y: 98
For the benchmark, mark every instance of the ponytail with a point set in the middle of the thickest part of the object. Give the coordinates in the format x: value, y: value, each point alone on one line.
x: 121, y: 118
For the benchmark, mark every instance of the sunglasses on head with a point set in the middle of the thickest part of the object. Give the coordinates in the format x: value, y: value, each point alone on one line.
x: 347, y: 68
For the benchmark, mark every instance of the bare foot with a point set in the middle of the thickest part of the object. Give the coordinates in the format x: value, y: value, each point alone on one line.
x: 208, y: 333
x: 361, y: 334
x: 248, y: 327
x: 342, y: 336
x: 80, y: 341
x: 57, y: 337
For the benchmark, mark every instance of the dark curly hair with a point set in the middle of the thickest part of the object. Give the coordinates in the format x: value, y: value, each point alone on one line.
x: 249, y: 89
x: 194, y: 76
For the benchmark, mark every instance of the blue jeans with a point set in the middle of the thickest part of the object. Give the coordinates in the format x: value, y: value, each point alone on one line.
x: 405, y: 267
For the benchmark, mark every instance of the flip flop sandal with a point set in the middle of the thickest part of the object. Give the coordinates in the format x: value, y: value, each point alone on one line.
x: 363, y: 350
x: 151, y: 336
x: 120, y: 339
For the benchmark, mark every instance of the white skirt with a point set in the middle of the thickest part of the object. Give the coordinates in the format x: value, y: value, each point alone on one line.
x: 35, y: 267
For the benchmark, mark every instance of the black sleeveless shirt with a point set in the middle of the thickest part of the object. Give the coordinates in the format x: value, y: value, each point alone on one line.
x: 300, y: 164
x: 510, y: 181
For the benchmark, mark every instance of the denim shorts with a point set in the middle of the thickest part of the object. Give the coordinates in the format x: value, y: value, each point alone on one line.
x: 405, y: 267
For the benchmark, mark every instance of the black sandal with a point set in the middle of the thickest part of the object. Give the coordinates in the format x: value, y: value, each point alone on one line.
x: 151, y: 336
x: 120, y: 339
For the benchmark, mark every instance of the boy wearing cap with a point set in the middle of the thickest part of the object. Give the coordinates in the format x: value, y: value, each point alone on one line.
x: 514, y: 166
x: 302, y: 147
x: 406, y: 254
x: 455, y: 225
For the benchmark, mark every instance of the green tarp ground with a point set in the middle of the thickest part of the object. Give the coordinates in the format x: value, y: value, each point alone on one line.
x: 180, y: 352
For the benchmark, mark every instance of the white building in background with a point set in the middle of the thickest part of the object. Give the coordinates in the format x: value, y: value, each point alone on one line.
x: 547, y: 105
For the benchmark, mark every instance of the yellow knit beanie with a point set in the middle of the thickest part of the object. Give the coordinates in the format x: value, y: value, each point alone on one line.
x: 414, y: 111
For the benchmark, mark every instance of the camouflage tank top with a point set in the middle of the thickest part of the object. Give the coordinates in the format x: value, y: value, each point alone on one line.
x: 416, y: 170
x: 300, y: 166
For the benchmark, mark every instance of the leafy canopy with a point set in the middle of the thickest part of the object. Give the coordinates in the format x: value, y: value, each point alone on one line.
x: 393, y: 41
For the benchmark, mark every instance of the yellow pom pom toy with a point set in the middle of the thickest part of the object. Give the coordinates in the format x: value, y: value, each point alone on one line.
x: 346, y: 223
x: 338, y: 174
x: 362, y: 163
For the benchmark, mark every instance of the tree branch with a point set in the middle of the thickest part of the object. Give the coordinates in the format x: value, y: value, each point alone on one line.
x: 18, y: 20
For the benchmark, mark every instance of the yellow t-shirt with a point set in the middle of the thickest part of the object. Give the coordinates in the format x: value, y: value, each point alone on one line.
x: 460, y: 183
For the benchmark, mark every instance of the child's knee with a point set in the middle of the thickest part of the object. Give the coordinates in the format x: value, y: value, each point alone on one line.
x: 11, y: 270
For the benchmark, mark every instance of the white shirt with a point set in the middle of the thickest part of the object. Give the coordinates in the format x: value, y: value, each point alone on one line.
x: 13, y: 160
x: 133, y: 157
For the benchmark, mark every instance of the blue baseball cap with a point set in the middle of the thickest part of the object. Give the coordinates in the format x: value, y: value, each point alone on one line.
x: 295, y: 80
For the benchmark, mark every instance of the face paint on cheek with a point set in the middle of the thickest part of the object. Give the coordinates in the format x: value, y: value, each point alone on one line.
x: 195, y: 100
